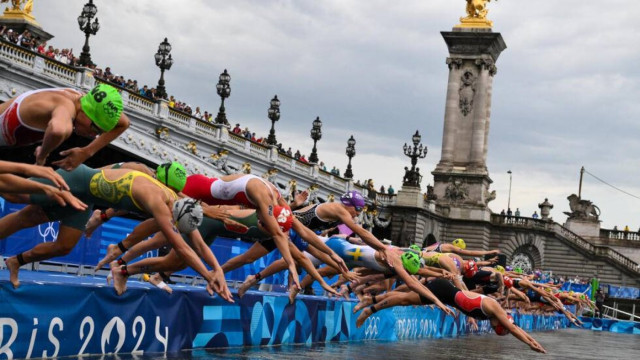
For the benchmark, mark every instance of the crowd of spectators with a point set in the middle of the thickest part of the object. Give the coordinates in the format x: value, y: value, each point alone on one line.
x: 30, y: 42
x: 66, y: 56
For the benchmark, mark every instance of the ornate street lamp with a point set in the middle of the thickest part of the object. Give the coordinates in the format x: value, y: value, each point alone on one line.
x: 274, y: 115
x: 412, y: 176
x: 224, y: 90
x: 89, y: 28
x: 316, y: 134
x: 164, y: 62
x: 351, y: 152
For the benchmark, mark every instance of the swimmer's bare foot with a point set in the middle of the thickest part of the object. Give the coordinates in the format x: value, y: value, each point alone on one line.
x: 119, y: 280
x: 246, y: 285
x: 364, y: 302
x: 293, y: 292
x: 156, y: 280
x: 94, y: 222
x: 344, y: 292
x: 14, y: 266
x: 363, y: 316
x: 112, y: 253
x: 112, y: 265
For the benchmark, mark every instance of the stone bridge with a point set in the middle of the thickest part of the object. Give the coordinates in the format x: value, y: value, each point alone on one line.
x: 527, y: 242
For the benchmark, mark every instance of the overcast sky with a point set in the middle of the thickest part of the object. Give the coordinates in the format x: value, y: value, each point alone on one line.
x: 565, y: 96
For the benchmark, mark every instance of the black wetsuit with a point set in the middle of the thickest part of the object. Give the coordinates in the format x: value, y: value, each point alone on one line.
x: 450, y: 295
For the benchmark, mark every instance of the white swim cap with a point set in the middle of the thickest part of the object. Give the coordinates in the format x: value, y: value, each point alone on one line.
x: 187, y: 214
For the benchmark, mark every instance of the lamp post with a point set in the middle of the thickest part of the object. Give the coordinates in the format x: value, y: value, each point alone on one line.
x: 351, y: 152
x: 412, y: 176
x: 274, y: 115
x: 509, y: 201
x: 164, y: 62
x: 89, y: 28
x: 316, y: 134
x: 224, y: 90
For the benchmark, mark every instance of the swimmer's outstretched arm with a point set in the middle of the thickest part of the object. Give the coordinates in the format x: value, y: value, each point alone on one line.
x: 311, y: 237
x: 13, y: 188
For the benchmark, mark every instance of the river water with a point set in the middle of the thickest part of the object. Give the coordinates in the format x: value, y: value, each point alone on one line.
x: 562, y: 344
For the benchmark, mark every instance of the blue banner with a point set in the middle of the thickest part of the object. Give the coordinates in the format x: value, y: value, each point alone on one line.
x: 623, y: 292
x: 612, y: 325
x: 76, y: 316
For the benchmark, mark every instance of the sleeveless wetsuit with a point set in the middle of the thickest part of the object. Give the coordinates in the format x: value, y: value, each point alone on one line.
x: 91, y: 186
x: 214, y: 191
x: 482, y: 278
x: 452, y: 296
x: 432, y: 260
x: 356, y: 255
x: 13, y: 130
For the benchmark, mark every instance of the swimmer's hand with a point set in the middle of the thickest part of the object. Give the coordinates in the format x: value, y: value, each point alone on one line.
x: 448, y: 275
x: 218, y: 284
x: 329, y: 289
x: 386, y: 256
x: 219, y: 213
x: 351, y: 276
x: 535, y: 346
x: 299, y: 199
x: 447, y: 310
x: 43, y: 172
x: 343, y: 267
x: 473, y: 324
x: 73, y: 158
x: 64, y: 198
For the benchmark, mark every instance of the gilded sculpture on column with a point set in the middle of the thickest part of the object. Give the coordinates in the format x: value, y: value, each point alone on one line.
x: 16, y: 6
x: 476, y: 15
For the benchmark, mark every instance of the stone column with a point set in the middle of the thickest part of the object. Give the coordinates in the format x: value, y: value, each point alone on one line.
x: 461, y: 178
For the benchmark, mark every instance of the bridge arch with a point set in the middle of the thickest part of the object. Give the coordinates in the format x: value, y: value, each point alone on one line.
x: 524, y: 250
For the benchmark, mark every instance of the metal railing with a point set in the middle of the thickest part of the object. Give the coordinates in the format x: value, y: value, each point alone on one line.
x: 614, y: 311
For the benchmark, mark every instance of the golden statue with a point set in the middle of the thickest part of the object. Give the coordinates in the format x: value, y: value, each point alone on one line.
x: 193, y: 147
x: 28, y: 8
x: 17, y: 12
x: 476, y: 15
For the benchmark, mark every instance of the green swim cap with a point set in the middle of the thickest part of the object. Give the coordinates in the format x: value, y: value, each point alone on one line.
x: 172, y: 174
x: 518, y: 270
x: 411, y: 262
x: 415, y: 248
x: 103, y: 105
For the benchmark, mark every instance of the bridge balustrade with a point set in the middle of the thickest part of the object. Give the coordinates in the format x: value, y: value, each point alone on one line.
x: 568, y: 235
x: 31, y: 63
x: 17, y: 55
x: 621, y: 235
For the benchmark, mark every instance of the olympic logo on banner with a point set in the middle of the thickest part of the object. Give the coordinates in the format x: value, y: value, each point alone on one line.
x: 371, y: 327
x: 48, y: 231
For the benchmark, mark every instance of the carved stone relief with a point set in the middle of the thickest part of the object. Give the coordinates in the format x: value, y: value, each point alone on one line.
x: 467, y: 92
x: 457, y: 190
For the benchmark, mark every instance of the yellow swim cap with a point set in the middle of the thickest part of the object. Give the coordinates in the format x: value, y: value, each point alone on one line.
x: 459, y: 243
